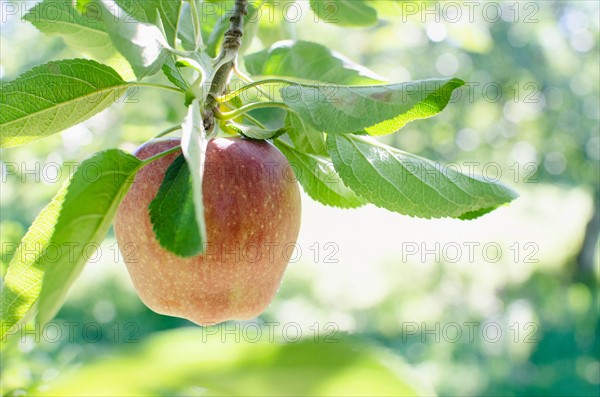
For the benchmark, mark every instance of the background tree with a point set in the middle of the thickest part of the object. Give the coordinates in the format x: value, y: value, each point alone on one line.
x: 537, y: 121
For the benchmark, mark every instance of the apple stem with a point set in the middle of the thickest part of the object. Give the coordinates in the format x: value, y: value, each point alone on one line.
x: 160, y: 155
x: 167, y: 131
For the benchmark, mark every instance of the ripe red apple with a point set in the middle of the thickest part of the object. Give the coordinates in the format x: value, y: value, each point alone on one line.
x: 252, y: 211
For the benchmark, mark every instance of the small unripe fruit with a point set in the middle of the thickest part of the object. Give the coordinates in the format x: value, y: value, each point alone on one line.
x: 252, y: 210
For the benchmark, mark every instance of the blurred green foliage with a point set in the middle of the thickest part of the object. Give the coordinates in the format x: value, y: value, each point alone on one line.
x: 167, y: 361
x: 533, y: 111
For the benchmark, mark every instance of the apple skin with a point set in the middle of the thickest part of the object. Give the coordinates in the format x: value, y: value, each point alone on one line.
x: 252, y: 210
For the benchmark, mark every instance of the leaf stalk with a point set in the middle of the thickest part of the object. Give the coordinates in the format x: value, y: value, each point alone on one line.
x: 247, y: 108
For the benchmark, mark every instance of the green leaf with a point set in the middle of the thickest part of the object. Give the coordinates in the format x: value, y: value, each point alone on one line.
x: 172, y: 212
x: 193, y: 144
x: 194, y: 360
x: 164, y: 14
x: 142, y: 44
x: 435, y: 101
x: 378, y: 110
x: 150, y: 11
x: 81, y: 32
x: 305, y: 137
x: 51, y: 254
x: 411, y: 185
x: 309, y: 61
x: 271, y: 118
x: 51, y: 97
x: 215, y: 21
x: 391, y: 10
x: 319, y: 178
x: 344, y: 12
x: 186, y: 26
x: 174, y: 75
x: 91, y: 201
x: 23, y: 281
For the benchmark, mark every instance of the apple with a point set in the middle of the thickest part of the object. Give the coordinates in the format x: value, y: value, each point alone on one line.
x: 252, y: 211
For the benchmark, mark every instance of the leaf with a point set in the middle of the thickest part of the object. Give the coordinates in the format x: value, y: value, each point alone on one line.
x: 51, y: 244
x: 411, y: 185
x: 23, y: 281
x: 164, y: 14
x: 193, y: 144
x: 305, y: 137
x: 196, y: 361
x: 202, y: 66
x: 435, y: 101
x: 150, y: 11
x: 349, y: 13
x: 142, y: 44
x: 214, y: 23
x: 174, y: 75
x: 91, y: 201
x: 319, y: 179
x: 393, y: 9
x: 186, y: 27
x: 310, y: 61
x: 198, y: 61
x: 272, y: 118
x: 172, y: 212
x: 378, y: 110
x: 51, y: 97
x: 81, y: 32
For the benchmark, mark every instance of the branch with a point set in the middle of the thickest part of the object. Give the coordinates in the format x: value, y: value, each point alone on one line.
x: 586, y: 257
x: 228, y: 56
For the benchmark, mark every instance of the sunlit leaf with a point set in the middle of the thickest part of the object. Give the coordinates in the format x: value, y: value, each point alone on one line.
x: 90, y: 203
x: 51, y: 97
x: 378, y: 109
x: 192, y: 360
x: 193, y: 144
x: 174, y: 74
x: 319, y: 178
x: 150, y: 11
x: 142, y: 44
x: 81, y: 32
x: 23, y: 281
x: 411, y: 185
x: 305, y: 137
x: 310, y: 61
x: 344, y: 12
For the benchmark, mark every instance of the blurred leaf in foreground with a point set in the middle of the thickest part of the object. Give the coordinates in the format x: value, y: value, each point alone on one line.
x: 190, y: 361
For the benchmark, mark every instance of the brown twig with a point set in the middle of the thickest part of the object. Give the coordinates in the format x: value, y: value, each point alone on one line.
x: 231, y: 46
